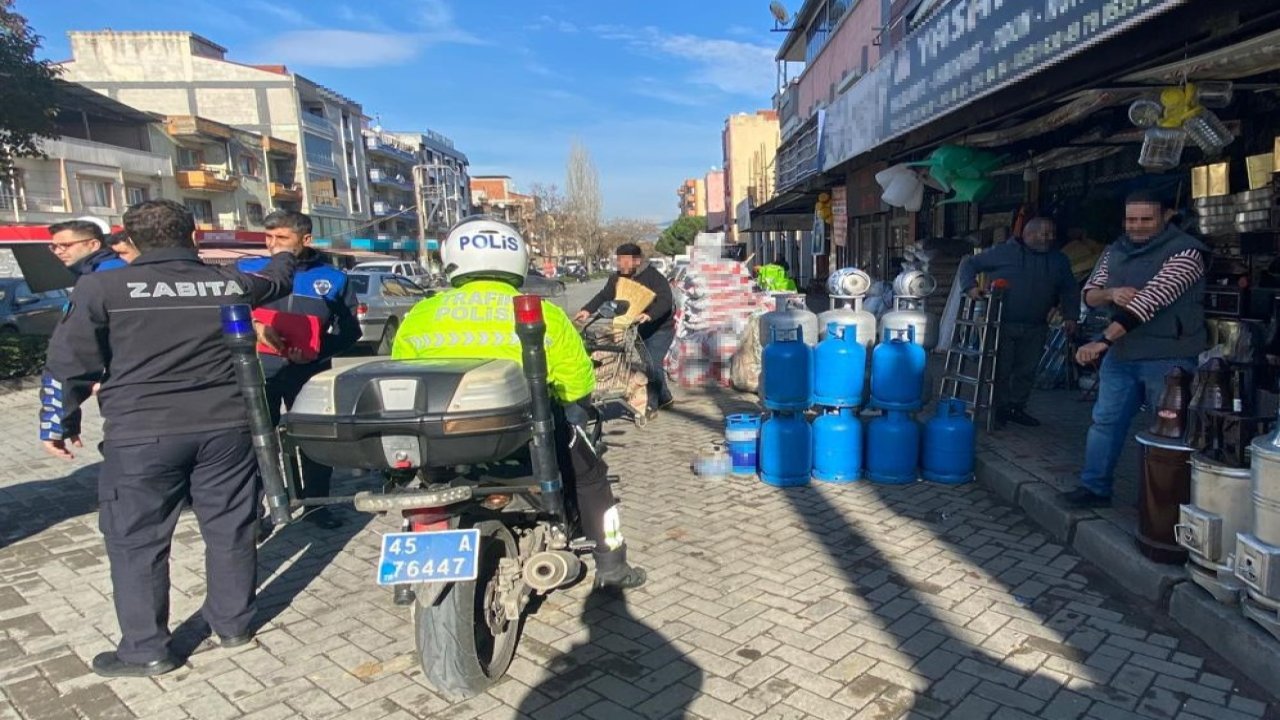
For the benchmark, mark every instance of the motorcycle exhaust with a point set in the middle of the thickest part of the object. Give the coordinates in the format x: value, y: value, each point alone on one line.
x: 548, y: 570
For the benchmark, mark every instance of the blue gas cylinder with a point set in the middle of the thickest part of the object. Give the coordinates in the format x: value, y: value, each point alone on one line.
x: 787, y: 369
x: 897, y: 372
x: 893, y: 448
x: 839, y: 368
x: 786, y: 450
x: 948, y: 453
x: 837, y: 447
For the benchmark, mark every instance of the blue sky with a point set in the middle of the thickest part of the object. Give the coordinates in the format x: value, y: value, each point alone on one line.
x: 645, y: 85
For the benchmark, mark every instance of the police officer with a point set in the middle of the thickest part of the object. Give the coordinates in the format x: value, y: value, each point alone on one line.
x: 175, y: 427
x: 485, y: 261
x: 321, y: 291
x: 81, y: 245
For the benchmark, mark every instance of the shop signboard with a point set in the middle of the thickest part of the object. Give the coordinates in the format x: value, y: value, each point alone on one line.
x: 973, y: 48
x: 839, y: 215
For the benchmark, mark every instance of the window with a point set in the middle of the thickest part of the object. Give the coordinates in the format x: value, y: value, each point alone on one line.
x: 248, y: 166
x: 201, y: 209
x: 189, y: 159
x: 134, y: 194
x: 97, y: 193
x: 254, y: 211
x: 359, y: 283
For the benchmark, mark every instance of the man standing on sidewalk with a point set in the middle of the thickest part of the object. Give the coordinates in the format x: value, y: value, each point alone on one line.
x: 657, y: 323
x: 320, y: 291
x: 1153, y: 279
x: 1039, y: 279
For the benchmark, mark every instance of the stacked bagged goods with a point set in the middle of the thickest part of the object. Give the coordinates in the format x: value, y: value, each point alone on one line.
x: 717, y: 300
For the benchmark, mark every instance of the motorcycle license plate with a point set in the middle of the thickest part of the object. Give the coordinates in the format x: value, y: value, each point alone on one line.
x: 443, y: 556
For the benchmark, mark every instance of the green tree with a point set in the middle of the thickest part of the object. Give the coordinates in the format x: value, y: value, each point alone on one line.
x: 28, y: 92
x: 680, y: 234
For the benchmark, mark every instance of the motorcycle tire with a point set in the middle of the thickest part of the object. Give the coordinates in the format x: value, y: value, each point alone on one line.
x: 459, y: 653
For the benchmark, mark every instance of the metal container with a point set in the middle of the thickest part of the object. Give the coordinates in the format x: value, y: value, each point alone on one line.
x: 1164, y: 487
x: 1219, y: 509
x: 1265, y: 488
x: 893, y: 449
x: 786, y: 381
x: 947, y: 454
x: 839, y: 368
x: 837, y: 447
x: 854, y: 316
x: 897, y: 371
x: 786, y: 450
x: 789, y: 312
x: 909, y: 312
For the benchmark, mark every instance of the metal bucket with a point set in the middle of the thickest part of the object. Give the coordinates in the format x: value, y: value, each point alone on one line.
x: 1221, y: 494
x: 1265, y: 472
x: 1165, y: 487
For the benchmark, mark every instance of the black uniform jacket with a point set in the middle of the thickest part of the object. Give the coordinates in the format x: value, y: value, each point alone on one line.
x: 155, y: 329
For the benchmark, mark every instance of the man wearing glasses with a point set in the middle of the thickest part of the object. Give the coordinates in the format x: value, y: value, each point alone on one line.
x: 81, y: 245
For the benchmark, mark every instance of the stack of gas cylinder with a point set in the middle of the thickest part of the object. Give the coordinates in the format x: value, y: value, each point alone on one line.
x: 830, y: 379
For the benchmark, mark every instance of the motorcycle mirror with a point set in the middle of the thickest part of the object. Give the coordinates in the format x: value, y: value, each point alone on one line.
x: 621, y: 306
x: 609, y: 310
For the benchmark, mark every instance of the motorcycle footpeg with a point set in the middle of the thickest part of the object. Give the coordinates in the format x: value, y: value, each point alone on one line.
x: 582, y: 544
x: 403, y: 595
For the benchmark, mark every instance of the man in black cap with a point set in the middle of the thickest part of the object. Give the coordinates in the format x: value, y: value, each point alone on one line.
x: 657, y: 323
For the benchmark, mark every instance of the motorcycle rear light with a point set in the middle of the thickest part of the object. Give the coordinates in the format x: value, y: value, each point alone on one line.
x: 496, y: 501
x: 427, y: 520
x: 528, y: 309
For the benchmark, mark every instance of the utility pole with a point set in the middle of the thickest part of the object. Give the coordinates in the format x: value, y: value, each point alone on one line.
x: 437, y: 189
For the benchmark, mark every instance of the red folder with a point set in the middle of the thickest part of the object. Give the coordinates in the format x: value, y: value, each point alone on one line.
x: 297, y: 331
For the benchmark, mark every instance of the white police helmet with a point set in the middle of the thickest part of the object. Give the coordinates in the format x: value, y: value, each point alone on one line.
x: 482, y: 247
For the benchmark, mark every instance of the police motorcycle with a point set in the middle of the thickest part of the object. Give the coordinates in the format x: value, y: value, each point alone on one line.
x: 466, y: 456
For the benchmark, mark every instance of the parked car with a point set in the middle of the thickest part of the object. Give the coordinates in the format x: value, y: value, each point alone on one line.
x: 385, y: 298
x: 29, y: 313
x: 538, y: 284
x: 403, y: 268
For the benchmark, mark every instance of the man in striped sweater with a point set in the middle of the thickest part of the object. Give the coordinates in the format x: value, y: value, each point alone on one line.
x: 1153, y: 279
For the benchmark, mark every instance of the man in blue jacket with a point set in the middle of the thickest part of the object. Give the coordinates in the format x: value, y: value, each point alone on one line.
x: 81, y: 245
x: 319, y: 290
x: 1039, y: 278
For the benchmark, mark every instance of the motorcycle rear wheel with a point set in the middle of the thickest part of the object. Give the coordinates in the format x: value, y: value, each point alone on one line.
x: 460, y: 653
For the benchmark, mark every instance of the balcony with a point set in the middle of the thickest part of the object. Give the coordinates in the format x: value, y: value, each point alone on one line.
x: 798, y: 157
x: 381, y: 145
x: 190, y: 127
x: 276, y: 146
x: 207, y: 181
x: 787, y: 103
x: 24, y: 202
x: 326, y: 203
x: 286, y: 193
x: 321, y: 161
x: 317, y: 123
x: 384, y: 209
x: 378, y: 176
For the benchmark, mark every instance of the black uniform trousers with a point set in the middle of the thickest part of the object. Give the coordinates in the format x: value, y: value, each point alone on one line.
x: 142, y: 488
x: 585, y: 475
x: 1021, y: 347
x: 283, y: 386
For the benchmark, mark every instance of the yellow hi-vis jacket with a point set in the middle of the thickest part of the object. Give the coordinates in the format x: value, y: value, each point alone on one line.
x: 478, y: 320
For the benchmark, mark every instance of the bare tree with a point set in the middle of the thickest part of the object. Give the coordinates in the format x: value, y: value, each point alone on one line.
x: 625, y: 230
x: 582, y: 200
x: 546, y: 223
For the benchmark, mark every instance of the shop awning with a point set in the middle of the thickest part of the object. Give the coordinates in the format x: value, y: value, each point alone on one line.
x: 789, y: 210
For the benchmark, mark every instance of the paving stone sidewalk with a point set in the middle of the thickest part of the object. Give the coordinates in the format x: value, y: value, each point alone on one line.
x: 822, y: 602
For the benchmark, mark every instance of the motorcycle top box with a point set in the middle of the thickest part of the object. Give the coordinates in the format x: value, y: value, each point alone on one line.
x: 404, y: 414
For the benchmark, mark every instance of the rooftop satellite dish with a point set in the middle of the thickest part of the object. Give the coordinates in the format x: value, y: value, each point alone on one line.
x: 779, y: 12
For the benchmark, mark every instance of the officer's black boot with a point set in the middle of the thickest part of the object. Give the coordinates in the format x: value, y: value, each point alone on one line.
x: 612, y: 570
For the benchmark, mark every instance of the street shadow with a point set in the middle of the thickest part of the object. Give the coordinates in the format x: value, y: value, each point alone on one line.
x: 28, y: 509
x: 288, y: 562
x: 633, y: 666
x: 930, y: 640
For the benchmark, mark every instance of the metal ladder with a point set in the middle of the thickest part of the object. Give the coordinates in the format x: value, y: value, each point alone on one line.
x: 970, y: 371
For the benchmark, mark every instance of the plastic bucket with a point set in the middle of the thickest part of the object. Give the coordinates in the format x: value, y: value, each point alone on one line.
x: 742, y: 435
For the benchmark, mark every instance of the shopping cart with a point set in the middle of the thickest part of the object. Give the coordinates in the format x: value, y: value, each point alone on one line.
x: 621, y: 363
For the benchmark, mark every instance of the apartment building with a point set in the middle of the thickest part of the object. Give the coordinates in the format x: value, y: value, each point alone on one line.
x: 693, y: 198
x: 716, y: 215
x: 105, y: 159
x: 391, y: 187
x: 750, y: 144
x: 443, y: 181
x: 183, y: 75
x: 495, y: 195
